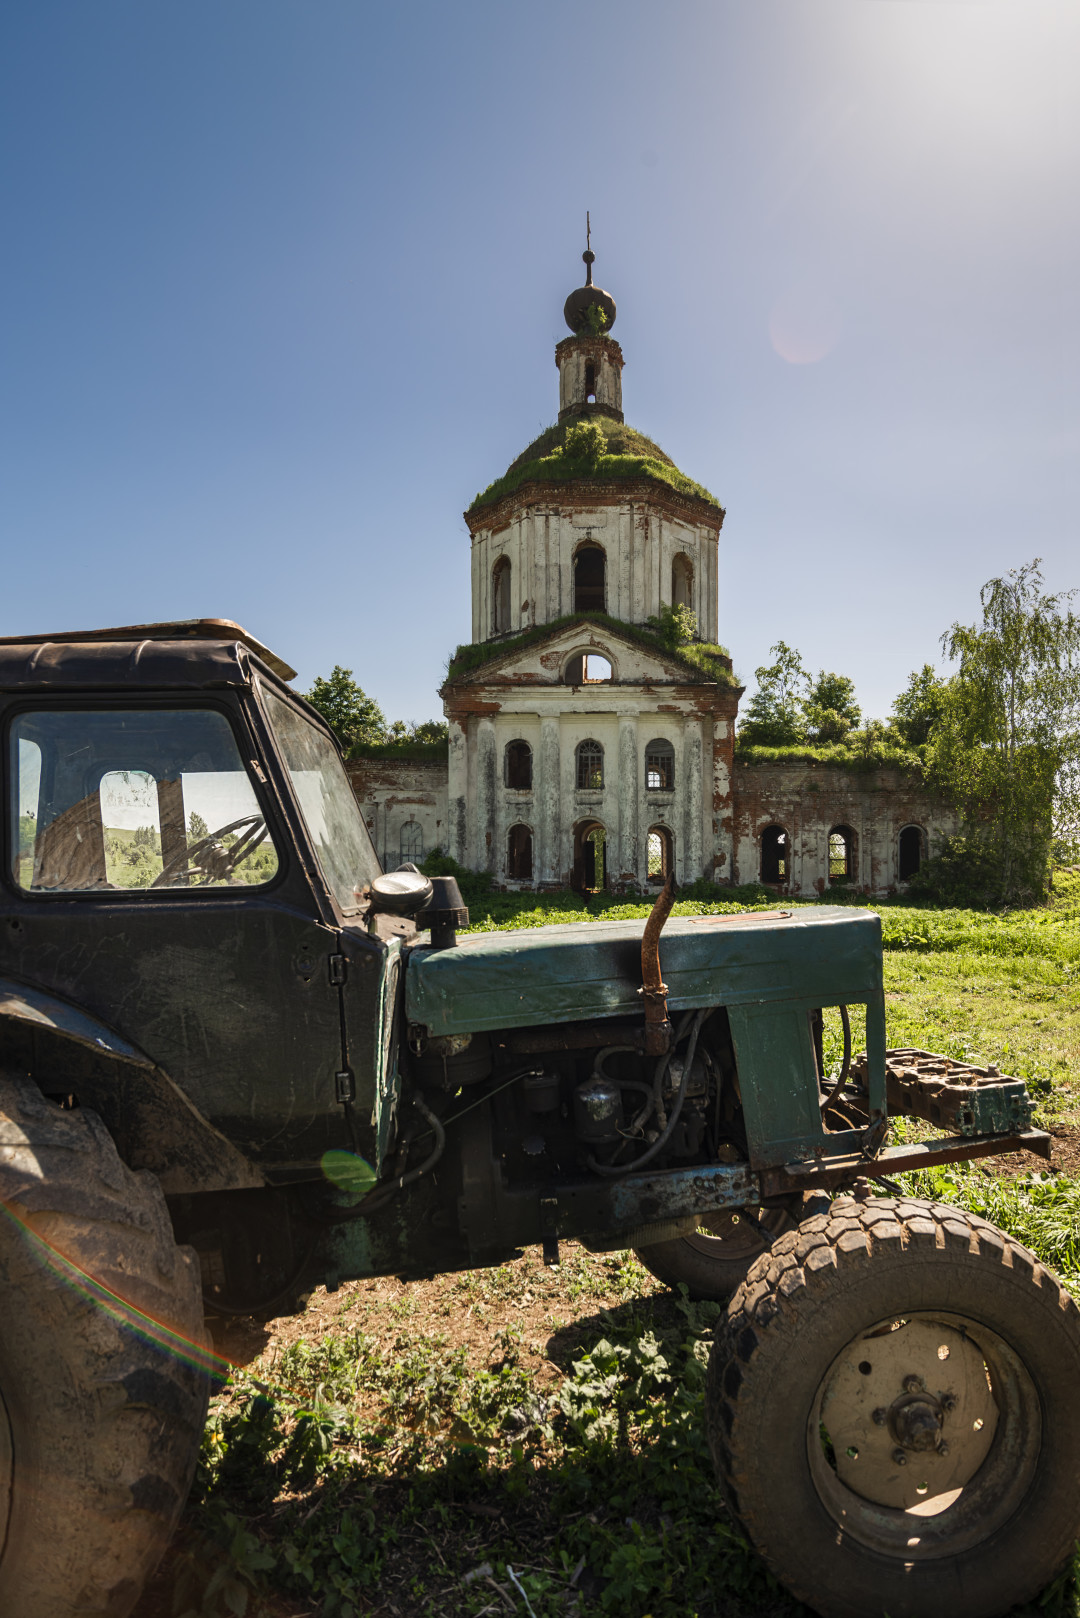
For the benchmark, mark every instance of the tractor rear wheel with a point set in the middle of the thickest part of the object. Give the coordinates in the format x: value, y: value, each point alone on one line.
x: 103, y: 1366
x: 894, y: 1413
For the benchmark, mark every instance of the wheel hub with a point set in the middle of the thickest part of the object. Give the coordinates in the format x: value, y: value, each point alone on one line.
x: 909, y: 1413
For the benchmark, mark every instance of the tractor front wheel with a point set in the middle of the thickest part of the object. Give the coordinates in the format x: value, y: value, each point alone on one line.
x: 103, y: 1366
x: 894, y: 1413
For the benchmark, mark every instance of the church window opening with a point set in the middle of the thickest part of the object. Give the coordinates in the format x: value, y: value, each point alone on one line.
x: 500, y: 596
x: 682, y: 581
x: 590, y: 565
x: 587, y: 669
x: 590, y: 382
x: 590, y: 766
x: 910, y: 851
x: 519, y: 858
x: 659, y: 766
x: 841, y: 854
x: 774, y: 854
x: 517, y: 766
x: 659, y: 853
x: 411, y: 842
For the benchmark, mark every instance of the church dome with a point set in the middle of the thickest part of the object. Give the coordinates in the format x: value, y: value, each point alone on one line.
x: 582, y: 299
x: 621, y: 440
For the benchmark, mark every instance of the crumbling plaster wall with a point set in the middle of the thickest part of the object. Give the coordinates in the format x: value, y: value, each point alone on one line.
x: 647, y: 700
x: 641, y: 538
x: 394, y: 791
x: 808, y: 801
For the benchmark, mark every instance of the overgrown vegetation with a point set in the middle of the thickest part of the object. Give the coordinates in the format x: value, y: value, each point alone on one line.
x: 587, y: 449
x: 998, y: 741
x: 360, y: 724
x: 703, y: 657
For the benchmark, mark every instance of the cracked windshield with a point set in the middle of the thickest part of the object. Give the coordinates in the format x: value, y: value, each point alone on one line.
x: 327, y: 801
x: 116, y: 800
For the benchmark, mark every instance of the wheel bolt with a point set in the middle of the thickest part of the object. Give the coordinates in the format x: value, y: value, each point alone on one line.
x: 948, y: 1401
x: 899, y: 1457
x: 913, y: 1384
x: 881, y: 1416
x: 943, y: 1448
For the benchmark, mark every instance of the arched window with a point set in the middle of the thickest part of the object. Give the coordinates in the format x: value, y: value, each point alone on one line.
x: 587, y: 669
x: 519, y: 854
x: 659, y: 766
x: 590, y: 382
x: 590, y: 765
x: 682, y: 581
x: 660, y: 853
x: 589, y: 569
x: 517, y: 766
x: 590, y: 862
x: 412, y: 842
x: 500, y: 596
x: 841, y: 854
x: 775, y: 865
x: 912, y: 842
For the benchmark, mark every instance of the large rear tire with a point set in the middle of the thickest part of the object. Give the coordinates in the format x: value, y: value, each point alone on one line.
x: 894, y: 1413
x: 103, y: 1366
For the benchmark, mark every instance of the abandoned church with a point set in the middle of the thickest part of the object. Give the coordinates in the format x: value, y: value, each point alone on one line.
x: 587, y: 747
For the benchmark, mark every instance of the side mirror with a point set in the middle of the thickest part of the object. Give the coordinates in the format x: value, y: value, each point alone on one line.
x: 402, y: 892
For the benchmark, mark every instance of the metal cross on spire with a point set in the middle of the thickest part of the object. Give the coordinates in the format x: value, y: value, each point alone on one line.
x: 589, y: 256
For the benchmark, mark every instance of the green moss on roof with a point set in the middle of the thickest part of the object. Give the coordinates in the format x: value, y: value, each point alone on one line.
x: 699, y: 657
x: 630, y: 455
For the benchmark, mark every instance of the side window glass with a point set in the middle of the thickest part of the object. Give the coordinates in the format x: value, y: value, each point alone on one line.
x: 119, y: 801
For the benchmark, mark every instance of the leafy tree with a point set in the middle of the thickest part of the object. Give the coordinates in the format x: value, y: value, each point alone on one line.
x: 776, y: 713
x: 1006, y: 747
x: 431, y: 730
x: 918, y: 708
x: 146, y: 837
x: 831, y: 710
x: 351, y: 715
x: 197, y: 827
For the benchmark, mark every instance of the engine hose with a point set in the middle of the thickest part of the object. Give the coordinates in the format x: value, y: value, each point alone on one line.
x: 661, y: 1070
x: 381, y: 1194
x: 611, y: 1170
x: 638, y: 1122
x: 845, y: 1066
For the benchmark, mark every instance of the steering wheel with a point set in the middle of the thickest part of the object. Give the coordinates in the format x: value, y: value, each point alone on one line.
x: 209, y: 859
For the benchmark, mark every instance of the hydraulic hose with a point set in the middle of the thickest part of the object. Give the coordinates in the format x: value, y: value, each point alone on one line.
x: 611, y: 1170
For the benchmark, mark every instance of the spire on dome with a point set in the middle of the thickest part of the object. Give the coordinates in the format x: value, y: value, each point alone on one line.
x: 577, y: 308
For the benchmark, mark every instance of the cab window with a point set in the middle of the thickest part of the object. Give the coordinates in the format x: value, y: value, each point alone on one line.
x: 122, y: 801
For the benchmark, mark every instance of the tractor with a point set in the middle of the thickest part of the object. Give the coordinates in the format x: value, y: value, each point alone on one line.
x: 240, y: 1060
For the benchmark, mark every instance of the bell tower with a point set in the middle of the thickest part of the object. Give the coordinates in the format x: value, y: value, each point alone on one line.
x: 609, y: 526
x: 590, y: 362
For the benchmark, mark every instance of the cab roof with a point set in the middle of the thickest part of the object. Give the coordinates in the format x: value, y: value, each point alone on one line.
x: 27, y: 660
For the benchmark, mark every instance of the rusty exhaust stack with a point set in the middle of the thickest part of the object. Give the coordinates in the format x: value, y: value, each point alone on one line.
x: 653, y: 989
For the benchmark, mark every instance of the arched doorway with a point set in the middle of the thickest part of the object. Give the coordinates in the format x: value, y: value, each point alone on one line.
x: 519, y: 854
x: 910, y: 852
x: 774, y: 855
x: 660, y: 854
x: 590, y: 856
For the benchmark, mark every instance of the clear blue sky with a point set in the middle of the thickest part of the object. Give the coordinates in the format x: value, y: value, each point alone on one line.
x: 281, y: 283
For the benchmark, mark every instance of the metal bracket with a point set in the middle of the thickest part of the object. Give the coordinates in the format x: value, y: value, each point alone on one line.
x: 344, y: 1087
x: 339, y: 970
x: 549, y: 1229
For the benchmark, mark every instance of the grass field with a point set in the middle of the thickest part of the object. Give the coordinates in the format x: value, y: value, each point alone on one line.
x: 531, y: 1441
